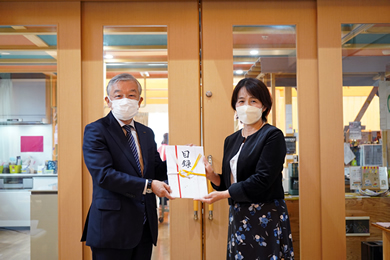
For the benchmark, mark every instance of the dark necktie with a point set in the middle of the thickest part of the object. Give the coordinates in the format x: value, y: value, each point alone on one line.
x: 133, y: 147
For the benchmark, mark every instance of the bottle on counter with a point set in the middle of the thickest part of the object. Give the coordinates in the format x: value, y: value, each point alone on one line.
x: 6, y: 168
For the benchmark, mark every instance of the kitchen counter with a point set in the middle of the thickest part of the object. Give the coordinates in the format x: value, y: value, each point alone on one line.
x: 2, y: 175
x: 15, y: 192
x: 43, y: 192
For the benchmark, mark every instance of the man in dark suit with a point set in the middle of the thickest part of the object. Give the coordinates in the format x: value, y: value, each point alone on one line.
x: 127, y: 172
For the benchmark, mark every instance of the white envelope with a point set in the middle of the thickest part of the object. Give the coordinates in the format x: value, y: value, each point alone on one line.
x: 186, y: 171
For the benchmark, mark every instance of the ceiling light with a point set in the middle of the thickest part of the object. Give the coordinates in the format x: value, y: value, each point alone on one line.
x: 5, y: 53
x: 239, y: 72
x: 254, y: 52
x: 108, y: 56
x: 386, y: 52
x: 144, y: 74
x: 156, y: 64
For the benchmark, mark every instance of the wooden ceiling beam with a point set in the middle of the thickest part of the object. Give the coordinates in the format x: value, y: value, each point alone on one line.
x: 139, y: 59
x: 5, y: 48
x: 160, y: 30
x: 374, y: 46
x: 28, y: 69
x: 135, y: 69
x: 28, y: 61
x: 286, y: 29
x: 29, y: 31
x: 135, y: 48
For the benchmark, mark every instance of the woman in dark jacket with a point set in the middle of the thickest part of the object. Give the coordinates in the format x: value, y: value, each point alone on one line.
x: 251, y: 179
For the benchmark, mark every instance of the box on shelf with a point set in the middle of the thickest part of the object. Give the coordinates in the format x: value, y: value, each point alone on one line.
x: 15, y: 168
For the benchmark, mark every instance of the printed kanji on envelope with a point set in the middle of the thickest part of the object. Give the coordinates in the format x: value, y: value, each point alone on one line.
x: 186, y: 171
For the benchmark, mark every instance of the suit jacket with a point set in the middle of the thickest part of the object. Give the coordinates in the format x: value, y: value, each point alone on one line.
x: 259, y: 166
x: 116, y: 215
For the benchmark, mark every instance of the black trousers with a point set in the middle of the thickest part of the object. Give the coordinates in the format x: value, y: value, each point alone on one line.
x: 143, y: 251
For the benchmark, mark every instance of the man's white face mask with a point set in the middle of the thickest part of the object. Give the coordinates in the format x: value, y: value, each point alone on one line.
x: 124, y: 108
x: 249, y: 114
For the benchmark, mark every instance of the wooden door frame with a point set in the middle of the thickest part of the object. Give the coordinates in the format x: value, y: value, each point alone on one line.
x: 66, y: 16
x: 183, y: 84
x: 218, y: 77
x: 331, y: 14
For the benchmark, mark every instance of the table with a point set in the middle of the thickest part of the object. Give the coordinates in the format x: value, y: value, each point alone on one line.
x: 386, y: 240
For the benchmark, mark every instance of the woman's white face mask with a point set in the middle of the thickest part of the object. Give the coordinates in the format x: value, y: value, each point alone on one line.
x: 249, y: 114
x: 124, y: 108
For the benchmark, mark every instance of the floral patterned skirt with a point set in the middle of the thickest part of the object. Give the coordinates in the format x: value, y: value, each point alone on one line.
x: 259, y: 231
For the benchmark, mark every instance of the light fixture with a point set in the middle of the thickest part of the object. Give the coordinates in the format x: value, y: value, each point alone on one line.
x: 239, y: 72
x: 108, y: 56
x: 5, y: 53
x: 254, y: 52
x: 144, y: 74
x: 386, y: 52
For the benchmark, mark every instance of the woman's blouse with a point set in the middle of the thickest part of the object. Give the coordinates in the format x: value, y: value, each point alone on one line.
x: 233, y: 166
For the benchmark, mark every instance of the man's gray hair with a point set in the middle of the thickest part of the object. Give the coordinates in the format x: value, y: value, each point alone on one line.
x: 123, y: 77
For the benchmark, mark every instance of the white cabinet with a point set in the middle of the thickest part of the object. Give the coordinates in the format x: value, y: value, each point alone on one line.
x: 15, y: 208
x: 45, y: 183
x: 15, y: 202
x: 44, y: 225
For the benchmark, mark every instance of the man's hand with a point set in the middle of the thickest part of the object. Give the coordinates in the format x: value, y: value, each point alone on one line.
x: 215, y: 196
x: 161, y: 189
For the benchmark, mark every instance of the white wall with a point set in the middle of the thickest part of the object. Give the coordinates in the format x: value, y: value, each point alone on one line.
x: 10, y: 137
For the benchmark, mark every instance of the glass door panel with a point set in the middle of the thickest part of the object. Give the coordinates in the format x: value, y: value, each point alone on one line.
x: 28, y: 139
x: 366, y: 89
x: 268, y: 53
x: 142, y: 52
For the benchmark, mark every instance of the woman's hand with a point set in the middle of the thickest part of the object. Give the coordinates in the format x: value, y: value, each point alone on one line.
x: 215, y: 196
x: 210, y: 174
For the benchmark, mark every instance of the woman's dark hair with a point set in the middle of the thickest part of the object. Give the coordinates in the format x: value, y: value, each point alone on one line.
x: 257, y: 89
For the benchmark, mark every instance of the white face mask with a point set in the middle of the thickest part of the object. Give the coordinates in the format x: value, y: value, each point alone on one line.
x: 249, y: 114
x: 124, y: 108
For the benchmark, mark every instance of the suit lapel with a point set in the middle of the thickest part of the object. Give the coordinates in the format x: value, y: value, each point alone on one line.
x: 143, y: 142
x: 118, y: 135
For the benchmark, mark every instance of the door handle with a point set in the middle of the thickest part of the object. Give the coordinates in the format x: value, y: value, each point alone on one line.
x: 211, y: 206
x: 210, y: 160
x: 196, y: 210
